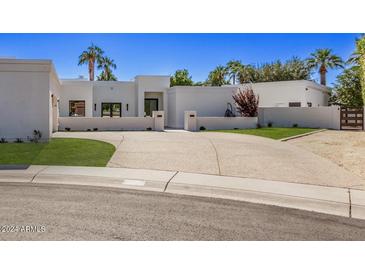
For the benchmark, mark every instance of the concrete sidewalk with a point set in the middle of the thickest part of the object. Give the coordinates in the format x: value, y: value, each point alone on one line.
x: 331, y: 200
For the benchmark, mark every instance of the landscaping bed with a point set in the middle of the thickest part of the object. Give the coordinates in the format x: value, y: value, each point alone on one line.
x: 271, y: 132
x: 58, y: 151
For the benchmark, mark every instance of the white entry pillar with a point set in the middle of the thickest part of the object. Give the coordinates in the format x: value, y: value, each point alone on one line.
x: 190, y: 120
x: 158, y: 120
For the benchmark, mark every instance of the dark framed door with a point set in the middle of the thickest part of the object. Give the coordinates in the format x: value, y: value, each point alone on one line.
x: 150, y: 104
x: 111, y: 110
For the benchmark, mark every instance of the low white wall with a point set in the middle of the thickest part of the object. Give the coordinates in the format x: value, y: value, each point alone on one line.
x: 106, y: 123
x: 318, y: 117
x: 212, y: 123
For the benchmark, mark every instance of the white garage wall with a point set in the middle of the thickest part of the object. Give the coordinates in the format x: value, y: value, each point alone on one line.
x: 319, y: 117
x: 207, y: 101
x: 24, y: 98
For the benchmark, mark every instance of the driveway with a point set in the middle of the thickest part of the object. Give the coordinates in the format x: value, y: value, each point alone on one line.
x: 221, y: 154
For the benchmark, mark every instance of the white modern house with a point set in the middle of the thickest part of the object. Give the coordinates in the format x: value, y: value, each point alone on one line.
x: 33, y: 97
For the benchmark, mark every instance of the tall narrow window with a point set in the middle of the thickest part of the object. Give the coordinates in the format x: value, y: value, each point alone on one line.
x: 77, y: 108
x: 111, y: 110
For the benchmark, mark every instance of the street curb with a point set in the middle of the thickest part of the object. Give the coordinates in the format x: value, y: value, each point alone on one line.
x: 323, y: 199
x: 301, y: 135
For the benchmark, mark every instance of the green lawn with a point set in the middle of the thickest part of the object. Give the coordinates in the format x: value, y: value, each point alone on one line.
x: 271, y: 132
x: 59, y: 151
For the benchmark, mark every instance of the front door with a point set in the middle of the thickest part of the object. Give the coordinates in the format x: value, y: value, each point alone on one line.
x: 150, y: 104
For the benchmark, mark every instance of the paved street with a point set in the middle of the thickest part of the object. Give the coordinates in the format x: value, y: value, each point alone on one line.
x: 90, y: 213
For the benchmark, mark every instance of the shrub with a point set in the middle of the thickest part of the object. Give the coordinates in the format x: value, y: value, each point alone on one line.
x: 269, y: 124
x: 18, y: 140
x: 258, y: 125
x: 67, y: 129
x: 95, y: 129
x: 149, y: 129
x: 88, y: 129
x: 202, y: 128
x: 236, y: 128
x: 3, y: 141
x: 37, y: 135
x: 295, y: 125
x: 247, y: 103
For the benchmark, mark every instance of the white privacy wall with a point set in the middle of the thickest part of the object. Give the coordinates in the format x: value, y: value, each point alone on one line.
x: 24, y: 98
x: 319, y: 117
x: 106, y: 123
x: 212, y: 123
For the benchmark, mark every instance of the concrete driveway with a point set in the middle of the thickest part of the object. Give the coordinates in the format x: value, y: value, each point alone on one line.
x: 221, y: 154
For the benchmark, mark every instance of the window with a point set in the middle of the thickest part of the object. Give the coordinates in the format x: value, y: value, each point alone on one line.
x: 111, y: 110
x: 294, y: 104
x: 150, y: 105
x: 77, y: 108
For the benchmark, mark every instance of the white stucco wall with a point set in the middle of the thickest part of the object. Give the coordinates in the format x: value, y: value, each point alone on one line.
x: 24, y: 98
x: 106, y: 123
x: 74, y: 91
x: 115, y: 92
x: 314, y: 117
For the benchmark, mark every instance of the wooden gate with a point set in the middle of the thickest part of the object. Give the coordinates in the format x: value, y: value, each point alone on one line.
x: 352, y: 118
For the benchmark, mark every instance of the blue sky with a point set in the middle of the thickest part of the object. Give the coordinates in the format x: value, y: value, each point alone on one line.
x: 164, y: 53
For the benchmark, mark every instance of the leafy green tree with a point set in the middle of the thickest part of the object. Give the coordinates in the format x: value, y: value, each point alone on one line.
x: 292, y: 69
x: 358, y: 59
x: 106, y: 65
x: 233, y: 69
x: 218, y: 77
x: 322, y: 59
x: 90, y: 56
x: 181, y: 77
x: 347, y: 90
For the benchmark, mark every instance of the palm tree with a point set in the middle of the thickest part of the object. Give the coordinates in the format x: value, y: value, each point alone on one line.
x: 109, y: 77
x: 217, y: 77
x: 322, y: 59
x: 90, y: 56
x: 106, y: 64
x: 233, y: 67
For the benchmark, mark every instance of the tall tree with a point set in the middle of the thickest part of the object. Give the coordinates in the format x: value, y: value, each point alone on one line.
x: 181, y: 77
x: 90, y: 56
x: 106, y: 65
x: 292, y: 69
x: 358, y: 60
x: 347, y: 90
x: 218, y: 76
x: 322, y: 59
x: 233, y: 69
x: 109, y: 77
